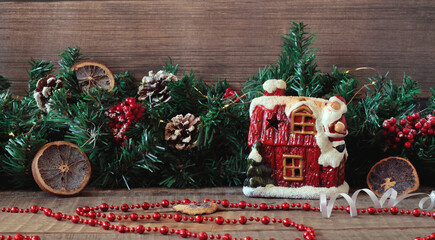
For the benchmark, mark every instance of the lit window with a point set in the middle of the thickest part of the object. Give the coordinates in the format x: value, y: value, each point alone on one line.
x: 293, y: 167
x: 303, y: 121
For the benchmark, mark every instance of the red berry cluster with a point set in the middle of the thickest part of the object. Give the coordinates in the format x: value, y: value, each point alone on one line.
x: 122, y: 116
x: 407, y: 129
x: 231, y: 94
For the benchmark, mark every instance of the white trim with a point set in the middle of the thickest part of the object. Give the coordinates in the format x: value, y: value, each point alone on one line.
x: 305, y: 192
x: 271, y: 85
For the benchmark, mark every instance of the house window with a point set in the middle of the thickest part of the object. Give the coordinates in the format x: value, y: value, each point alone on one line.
x: 303, y: 121
x: 293, y: 166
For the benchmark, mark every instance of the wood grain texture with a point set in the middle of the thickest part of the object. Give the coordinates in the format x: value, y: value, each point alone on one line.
x: 339, y: 226
x: 226, y: 39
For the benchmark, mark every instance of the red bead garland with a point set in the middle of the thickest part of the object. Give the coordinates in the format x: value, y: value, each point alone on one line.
x: 92, y: 213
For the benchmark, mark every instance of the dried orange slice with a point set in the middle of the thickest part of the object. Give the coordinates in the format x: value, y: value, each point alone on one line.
x: 93, y: 74
x: 61, y: 168
x: 393, y: 172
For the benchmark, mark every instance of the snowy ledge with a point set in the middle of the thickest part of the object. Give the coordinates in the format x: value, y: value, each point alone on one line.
x: 306, y: 192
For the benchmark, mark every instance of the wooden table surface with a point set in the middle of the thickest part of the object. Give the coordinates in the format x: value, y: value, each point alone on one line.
x: 339, y: 226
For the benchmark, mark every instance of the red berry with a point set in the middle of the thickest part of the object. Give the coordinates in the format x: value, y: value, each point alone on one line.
x: 410, y: 136
x: 406, y: 130
x: 408, y: 144
x: 402, y: 121
x: 430, y: 131
x: 397, y: 139
x: 417, y: 125
x: 422, y: 120
x: 400, y: 134
x: 392, y: 129
x: 386, y: 124
x: 392, y: 120
x: 427, y: 125
x: 139, y: 115
x: 409, y: 118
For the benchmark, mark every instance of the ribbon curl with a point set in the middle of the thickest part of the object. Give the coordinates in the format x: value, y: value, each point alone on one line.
x: 326, y: 207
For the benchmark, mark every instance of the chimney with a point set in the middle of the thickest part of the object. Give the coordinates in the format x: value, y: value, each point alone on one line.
x: 274, y: 87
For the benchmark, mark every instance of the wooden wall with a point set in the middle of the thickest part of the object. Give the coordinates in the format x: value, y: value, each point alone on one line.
x: 227, y: 39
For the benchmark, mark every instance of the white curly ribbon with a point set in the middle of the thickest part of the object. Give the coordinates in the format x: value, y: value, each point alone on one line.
x: 326, y: 207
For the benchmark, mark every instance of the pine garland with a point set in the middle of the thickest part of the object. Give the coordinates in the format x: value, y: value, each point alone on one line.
x: 220, y: 152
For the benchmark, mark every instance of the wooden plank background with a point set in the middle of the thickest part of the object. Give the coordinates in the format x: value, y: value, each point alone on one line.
x: 226, y: 39
x: 339, y: 226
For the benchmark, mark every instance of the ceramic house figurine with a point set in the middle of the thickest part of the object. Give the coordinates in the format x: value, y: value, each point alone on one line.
x: 297, y: 145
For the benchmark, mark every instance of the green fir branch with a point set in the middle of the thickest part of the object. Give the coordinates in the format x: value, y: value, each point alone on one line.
x: 39, y: 69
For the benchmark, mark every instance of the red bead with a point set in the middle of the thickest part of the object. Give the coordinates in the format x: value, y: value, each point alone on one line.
x: 145, y: 206
x: 148, y: 229
x: 14, y: 210
x: 202, y: 236
x: 227, y: 237
x: 255, y: 205
x: 263, y: 206
x: 286, y: 222
x: 416, y: 212
x: 75, y: 219
x: 242, y: 220
x: 140, y: 229
x: 165, y: 203
x: 371, y: 210
x: 265, y: 220
x: 298, y: 205
x: 186, y: 201
x: 58, y: 216
x: 394, y: 210
x: 47, y: 212
x: 121, y: 228
x: 306, y: 206
x: 92, y: 222
x: 33, y: 209
x: 178, y: 217
x: 199, y: 218
x: 134, y: 216
x: 302, y: 227
x: 225, y: 203
x: 183, y: 233
x: 242, y: 204
x: 111, y: 217
x: 219, y: 220
x: 164, y: 230
x: 227, y: 220
x: 104, y: 207
x: 18, y: 237
x: 247, y: 238
x: 156, y: 216
x: 408, y: 212
x: 285, y: 206
x: 124, y: 207
x: 92, y: 214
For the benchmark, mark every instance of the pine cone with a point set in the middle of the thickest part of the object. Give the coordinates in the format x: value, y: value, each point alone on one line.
x: 43, y: 90
x: 155, y: 86
x: 180, y: 131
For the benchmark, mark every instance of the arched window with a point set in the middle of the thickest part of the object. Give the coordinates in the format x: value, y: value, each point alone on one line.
x: 293, y: 167
x: 303, y: 122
